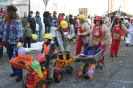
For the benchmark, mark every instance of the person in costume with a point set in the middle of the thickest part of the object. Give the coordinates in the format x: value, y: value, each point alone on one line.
x: 49, y: 49
x: 99, y: 36
x: 63, y: 37
x: 116, y: 36
x: 82, y: 40
x: 12, y: 34
x: 129, y: 36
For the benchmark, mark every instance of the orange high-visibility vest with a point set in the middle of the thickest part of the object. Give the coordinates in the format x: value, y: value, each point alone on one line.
x: 47, y: 48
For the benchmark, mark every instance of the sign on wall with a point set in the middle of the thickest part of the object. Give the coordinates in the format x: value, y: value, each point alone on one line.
x: 45, y: 2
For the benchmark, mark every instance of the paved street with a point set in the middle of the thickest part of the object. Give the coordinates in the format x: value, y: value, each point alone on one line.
x: 118, y: 73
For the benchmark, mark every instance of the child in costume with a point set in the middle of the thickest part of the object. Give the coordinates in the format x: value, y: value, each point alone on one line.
x: 49, y: 49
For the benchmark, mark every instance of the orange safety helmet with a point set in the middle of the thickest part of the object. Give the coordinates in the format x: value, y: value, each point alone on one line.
x: 99, y: 18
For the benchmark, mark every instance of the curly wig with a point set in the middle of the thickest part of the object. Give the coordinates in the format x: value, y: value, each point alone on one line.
x: 11, y: 14
x: 100, y: 22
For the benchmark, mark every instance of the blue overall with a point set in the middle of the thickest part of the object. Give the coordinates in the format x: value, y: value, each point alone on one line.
x: 10, y: 49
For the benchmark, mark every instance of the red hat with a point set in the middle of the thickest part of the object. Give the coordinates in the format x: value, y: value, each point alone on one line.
x: 98, y: 18
x: 117, y: 17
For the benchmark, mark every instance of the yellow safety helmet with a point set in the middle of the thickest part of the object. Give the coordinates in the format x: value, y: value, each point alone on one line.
x: 48, y: 36
x: 81, y: 17
x: 64, y: 24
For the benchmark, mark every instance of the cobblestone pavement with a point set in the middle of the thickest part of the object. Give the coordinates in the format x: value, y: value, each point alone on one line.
x: 118, y: 73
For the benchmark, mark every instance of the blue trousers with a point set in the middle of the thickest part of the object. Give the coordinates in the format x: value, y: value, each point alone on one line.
x: 10, y: 49
x: 32, y: 40
x: 47, y: 29
x: 39, y: 34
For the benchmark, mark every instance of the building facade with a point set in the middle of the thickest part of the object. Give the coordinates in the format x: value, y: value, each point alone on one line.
x: 126, y: 5
x: 35, y: 5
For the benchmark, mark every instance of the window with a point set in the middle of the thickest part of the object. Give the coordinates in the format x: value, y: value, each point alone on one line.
x: 83, y: 11
x: 54, y: 7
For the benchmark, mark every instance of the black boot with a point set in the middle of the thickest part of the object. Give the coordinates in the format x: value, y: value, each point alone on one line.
x: 102, y: 66
x: 18, y: 79
x: 127, y: 44
x: 13, y: 75
x: 111, y: 56
x: 116, y: 55
x: 50, y: 80
x: 97, y: 65
x: 67, y: 55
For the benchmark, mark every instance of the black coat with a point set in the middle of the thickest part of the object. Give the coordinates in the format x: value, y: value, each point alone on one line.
x: 71, y: 20
x: 32, y: 22
x: 47, y: 21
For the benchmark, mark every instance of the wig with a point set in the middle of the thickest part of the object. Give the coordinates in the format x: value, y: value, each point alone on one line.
x: 11, y: 14
x: 100, y: 22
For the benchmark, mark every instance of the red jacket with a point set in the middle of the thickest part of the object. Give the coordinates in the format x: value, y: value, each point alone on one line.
x: 60, y: 19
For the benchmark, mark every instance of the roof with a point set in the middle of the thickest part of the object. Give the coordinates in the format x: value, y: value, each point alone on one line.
x: 122, y: 13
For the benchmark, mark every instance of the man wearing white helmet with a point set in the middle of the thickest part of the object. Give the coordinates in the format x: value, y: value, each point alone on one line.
x: 130, y: 36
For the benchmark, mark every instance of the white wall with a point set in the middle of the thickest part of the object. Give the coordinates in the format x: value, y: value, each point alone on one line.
x: 37, y: 5
x: 60, y: 4
x: 129, y: 6
x: 94, y: 6
x: 22, y: 9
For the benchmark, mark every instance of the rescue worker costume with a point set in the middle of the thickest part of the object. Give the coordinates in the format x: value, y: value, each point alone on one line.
x: 116, y: 36
x: 49, y: 49
x: 99, y: 36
